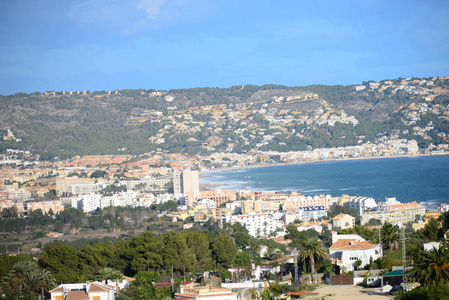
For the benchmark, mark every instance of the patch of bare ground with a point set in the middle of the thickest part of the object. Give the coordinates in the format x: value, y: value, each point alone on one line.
x: 348, y: 292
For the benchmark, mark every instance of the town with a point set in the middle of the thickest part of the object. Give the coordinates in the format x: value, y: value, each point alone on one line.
x: 185, y: 240
x: 95, y: 184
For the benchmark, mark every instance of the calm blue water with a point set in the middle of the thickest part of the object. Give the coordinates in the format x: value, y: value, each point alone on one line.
x: 422, y: 179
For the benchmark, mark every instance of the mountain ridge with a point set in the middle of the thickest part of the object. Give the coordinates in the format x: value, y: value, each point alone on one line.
x: 235, y: 119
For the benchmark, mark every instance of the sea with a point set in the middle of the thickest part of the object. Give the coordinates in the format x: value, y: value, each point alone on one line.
x: 424, y: 179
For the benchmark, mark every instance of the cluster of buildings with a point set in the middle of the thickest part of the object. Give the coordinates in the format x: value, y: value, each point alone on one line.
x: 262, y: 213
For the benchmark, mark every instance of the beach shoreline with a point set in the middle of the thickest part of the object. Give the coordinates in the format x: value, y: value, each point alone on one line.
x: 235, y: 168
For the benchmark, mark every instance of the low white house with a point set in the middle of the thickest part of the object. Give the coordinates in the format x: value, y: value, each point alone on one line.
x: 346, y: 249
x: 83, y: 291
x: 255, y: 272
x: 431, y: 245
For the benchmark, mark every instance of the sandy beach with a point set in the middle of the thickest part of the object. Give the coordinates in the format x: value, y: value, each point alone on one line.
x: 312, y: 162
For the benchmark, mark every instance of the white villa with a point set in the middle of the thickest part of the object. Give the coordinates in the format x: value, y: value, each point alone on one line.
x: 83, y: 291
x: 346, y: 249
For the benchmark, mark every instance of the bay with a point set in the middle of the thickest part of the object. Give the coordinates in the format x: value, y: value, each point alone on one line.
x: 424, y: 179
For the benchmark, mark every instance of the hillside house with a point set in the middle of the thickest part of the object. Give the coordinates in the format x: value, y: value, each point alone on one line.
x: 346, y: 249
x: 83, y: 291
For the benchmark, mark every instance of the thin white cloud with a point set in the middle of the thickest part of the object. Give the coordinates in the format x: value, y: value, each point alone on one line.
x: 151, y: 7
x: 126, y: 16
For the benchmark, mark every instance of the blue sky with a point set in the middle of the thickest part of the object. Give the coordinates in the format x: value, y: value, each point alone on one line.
x: 70, y: 45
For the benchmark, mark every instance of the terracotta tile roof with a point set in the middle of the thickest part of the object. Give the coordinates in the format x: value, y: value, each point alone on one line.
x: 405, y: 206
x: 99, y: 287
x: 351, y: 244
x: 128, y: 278
x: 374, y: 227
x: 77, y: 295
x: 337, y: 217
x: 216, y: 295
x: 281, y: 240
x: 162, y: 284
x: 188, y: 295
x: 57, y: 290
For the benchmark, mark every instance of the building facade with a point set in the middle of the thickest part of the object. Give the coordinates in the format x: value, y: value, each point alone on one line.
x: 396, y: 213
x: 259, y: 225
x: 186, y: 181
x: 310, y: 212
x: 343, y: 221
x: 26, y: 207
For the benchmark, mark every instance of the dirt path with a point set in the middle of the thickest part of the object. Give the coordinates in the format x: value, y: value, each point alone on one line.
x: 348, y: 292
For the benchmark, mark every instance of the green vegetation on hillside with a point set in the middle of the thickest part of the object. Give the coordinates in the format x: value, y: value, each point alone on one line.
x: 268, y: 117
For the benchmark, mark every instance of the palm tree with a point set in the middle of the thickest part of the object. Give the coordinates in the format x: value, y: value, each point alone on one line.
x: 311, y: 249
x: 432, y: 267
x: 110, y: 274
x: 116, y: 276
x: 21, y: 273
x: 46, y: 281
x: 107, y: 274
x: 27, y: 276
x: 390, y: 236
x: 365, y: 276
x: 255, y: 246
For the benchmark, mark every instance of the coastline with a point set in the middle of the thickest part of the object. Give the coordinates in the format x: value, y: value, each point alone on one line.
x: 431, y: 193
x: 235, y: 168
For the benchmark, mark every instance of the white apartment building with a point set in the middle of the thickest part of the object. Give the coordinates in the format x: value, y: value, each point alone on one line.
x: 18, y: 194
x: 88, y: 203
x: 396, y: 213
x: 258, y: 225
x: 185, y: 182
x: 310, y: 212
x: 388, y: 202
x: 209, y: 204
x: 83, y: 189
x: 149, y: 184
x: 295, y: 200
x: 91, y: 202
x: 75, y: 186
x: 128, y: 198
x: 162, y: 198
x: 362, y: 204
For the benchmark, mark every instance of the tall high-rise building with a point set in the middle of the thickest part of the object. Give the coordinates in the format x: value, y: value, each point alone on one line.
x: 186, y: 182
x: 412, y: 147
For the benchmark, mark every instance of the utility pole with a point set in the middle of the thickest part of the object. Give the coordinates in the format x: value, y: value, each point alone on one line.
x: 295, y: 254
x: 380, y: 240
x: 172, y: 280
x: 404, y: 261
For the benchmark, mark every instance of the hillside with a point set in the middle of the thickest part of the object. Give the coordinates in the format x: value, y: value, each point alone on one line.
x: 236, y: 119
